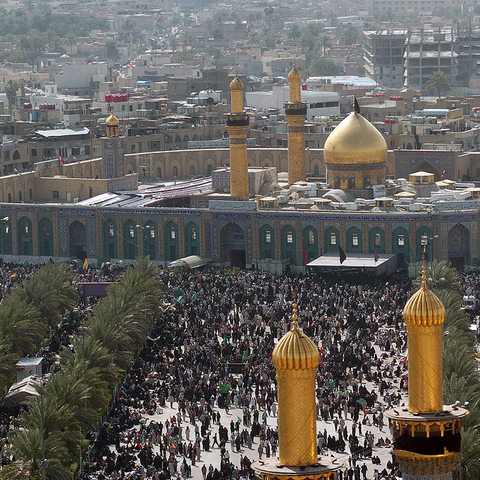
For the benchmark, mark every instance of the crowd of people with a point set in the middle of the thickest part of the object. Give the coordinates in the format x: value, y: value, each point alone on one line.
x: 200, y: 400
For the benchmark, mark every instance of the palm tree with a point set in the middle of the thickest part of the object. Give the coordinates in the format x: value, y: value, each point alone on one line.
x: 438, y: 82
x: 11, y: 89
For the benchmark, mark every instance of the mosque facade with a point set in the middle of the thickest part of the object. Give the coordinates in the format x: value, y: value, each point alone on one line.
x: 238, y: 230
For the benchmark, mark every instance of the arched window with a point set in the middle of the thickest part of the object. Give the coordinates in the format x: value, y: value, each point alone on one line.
x: 30, y: 194
x: 192, y: 171
x: 332, y: 239
x: 289, y: 244
x: 192, y: 239
x: 171, y: 241
x: 209, y: 169
x: 159, y: 173
x: 354, y: 240
x: 130, y: 240
x: 316, y: 170
x: 150, y: 240
x: 377, y: 240
x: 337, y: 181
x: 351, y: 182
x: 45, y: 240
x: 9, y: 198
x: 20, y: 196
x: 110, y: 240
x: 16, y: 155
x: 310, y: 244
x: 366, y: 181
x: 267, y: 246
x: 6, y: 237
x: 175, y: 171
x: 25, y: 244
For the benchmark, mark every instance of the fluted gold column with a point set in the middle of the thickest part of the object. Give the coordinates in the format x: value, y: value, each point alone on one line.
x: 296, y: 112
x: 424, y: 315
x: 237, y: 125
x: 296, y: 359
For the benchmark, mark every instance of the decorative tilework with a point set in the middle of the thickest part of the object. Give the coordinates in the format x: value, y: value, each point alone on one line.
x: 91, y: 237
x: 63, y: 235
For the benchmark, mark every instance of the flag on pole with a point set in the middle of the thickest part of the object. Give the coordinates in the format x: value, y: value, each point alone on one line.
x: 375, y: 255
x: 61, y: 159
x: 85, y: 264
x: 305, y: 258
x: 341, y: 254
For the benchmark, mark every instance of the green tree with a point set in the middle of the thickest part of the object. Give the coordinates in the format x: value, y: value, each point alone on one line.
x: 111, y: 50
x: 294, y: 32
x: 438, y: 83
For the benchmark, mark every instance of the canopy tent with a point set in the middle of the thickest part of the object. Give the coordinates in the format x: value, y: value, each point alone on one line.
x: 192, y: 261
x: 357, y: 262
x: 23, y: 389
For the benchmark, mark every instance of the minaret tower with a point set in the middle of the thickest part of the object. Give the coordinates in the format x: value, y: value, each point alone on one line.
x: 296, y: 359
x: 427, y: 434
x: 113, y: 150
x: 296, y: 111
x: 237, y: 125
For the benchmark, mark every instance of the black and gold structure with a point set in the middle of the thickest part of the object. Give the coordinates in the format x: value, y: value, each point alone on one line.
x: 295, y: 112
x: 427, y: 434
x: 355, y: 154
x: 296, y: 360
x: 238, y: 124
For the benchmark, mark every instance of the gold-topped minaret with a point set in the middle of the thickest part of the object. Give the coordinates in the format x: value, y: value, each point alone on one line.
x: 427, y: 434
x: 112, y: 125
x: 424, y: 315
x: 237, y: 125
x: 296, y: 112
x: 296, y: 359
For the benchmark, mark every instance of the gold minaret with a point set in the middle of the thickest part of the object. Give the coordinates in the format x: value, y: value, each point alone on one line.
x: 237, y: 126
x: 296, y: 112
x: 296, y: 359
x: 427, y: 434
x: 112, y: 125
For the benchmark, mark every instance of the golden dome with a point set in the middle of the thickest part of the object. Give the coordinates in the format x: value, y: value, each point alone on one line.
x: 112, y: 120
x: 295, y: 351
x: 424, y: 309
x: 294, y: 74
x: 355, y: 141
x: 236, y: 84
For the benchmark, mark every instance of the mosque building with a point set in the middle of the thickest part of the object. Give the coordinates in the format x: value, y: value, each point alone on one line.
x: 254, y: 208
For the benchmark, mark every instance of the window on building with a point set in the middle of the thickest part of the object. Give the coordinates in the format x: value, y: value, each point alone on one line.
x: 268, y: 236
x: 55, y: 194
x: 172, y: 233
x: 6, y: 229
x: 333, y: 238
x: 401, y: 240
x: 193, y: 233
x: 26, y: 230
x: 75, y: 151
x: 289, y: 237
x: 355, y: 240
x: 311, y: 237
x: 87, y: 149
x: 152, y: 233
x: 111, y: 232
x: 377, y: 240
x: 131, y: 231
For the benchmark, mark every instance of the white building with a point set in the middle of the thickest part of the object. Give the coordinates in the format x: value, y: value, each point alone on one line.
x: 318, y: 103
x: 79, y: 75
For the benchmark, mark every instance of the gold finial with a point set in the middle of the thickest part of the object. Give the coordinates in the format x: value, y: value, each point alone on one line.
x: 295, y: 316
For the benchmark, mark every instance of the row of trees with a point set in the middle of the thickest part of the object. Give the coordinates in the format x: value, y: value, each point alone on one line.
x: 461, y: 377
x: 29, y: 314
x: 53, y: 427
